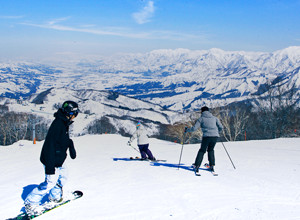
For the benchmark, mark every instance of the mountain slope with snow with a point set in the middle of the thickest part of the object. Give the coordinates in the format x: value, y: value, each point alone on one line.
x: 176, y: 79
x: 122, y: 112
x: 265, y: 184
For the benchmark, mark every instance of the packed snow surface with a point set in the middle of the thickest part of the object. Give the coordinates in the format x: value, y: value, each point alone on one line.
x: 264, y: 185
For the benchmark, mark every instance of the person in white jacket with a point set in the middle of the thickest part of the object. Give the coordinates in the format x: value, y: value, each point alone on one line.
x: 142, y: 141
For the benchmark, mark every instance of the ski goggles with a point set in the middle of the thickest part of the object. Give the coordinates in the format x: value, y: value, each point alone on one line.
x: 74, y: 112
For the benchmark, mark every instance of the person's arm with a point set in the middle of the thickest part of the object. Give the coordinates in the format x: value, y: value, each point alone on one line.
x: 72, y: 150
x: 195, y: 127
x: 134, y: 136
x: 219, y: 125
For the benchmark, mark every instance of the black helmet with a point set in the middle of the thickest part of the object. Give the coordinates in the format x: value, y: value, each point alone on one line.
x: 70, y: 108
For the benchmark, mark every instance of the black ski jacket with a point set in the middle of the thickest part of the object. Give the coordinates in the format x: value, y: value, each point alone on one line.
x: 57, y: 142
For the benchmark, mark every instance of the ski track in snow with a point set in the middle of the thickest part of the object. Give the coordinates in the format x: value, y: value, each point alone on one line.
x: 265, y: 185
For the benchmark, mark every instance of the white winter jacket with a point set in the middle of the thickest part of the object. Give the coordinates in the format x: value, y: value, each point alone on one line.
x: 141, y: 135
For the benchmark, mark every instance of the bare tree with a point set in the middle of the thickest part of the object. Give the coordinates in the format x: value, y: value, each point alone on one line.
x: 4, y: 127
x: 101, y: 126
x: 234, y: 121
x: 13, y: 127
x: 277, y: 108
x: 19, y: 126
x: 177, y: 130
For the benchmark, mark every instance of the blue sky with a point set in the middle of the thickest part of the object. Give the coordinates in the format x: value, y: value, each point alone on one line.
x: 41, y: 28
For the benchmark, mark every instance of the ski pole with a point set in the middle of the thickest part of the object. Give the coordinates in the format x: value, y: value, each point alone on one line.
x: 133, y: 147
x: 228, y: 155
x: 181, y: 152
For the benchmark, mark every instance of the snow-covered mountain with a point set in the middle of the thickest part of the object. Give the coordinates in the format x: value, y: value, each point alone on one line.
x: 176, y: 79
x: 120, y: 111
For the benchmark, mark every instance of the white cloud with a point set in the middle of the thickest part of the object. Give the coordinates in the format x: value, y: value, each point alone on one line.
x: 87, y: 29
x: 145, y: 14
x: 58, y: 20
x: 55, y: 24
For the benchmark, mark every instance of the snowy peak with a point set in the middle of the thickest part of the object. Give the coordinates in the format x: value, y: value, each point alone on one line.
x: 175, y: 79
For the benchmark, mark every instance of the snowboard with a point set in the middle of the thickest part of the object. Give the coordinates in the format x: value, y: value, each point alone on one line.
x: 23, y: 216
x: 140, y: 159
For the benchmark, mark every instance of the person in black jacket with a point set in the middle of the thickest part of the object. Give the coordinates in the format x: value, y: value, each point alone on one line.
x: 53, y: 155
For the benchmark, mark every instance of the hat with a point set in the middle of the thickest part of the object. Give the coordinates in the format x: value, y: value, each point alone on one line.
x: 205, y: 108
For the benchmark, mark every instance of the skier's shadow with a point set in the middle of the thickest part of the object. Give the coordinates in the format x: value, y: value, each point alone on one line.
x: 152, y: 163
x: 181, y: 166
x: 123, y: 159
x: 28, y: 189
x: 176, y: 166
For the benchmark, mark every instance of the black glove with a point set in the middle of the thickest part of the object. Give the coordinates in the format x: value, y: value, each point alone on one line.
x: 185, y: 129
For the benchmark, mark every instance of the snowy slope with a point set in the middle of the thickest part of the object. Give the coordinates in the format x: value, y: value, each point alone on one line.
x: 123, y: 112
x: 265, y: 185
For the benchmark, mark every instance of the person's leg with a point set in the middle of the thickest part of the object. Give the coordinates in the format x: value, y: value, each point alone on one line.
x: 37, y: 194
x: 56, y: 193
x: 201, y: 152
x: 148, y: 152
x: 210, y: 150
x: 142, y: 151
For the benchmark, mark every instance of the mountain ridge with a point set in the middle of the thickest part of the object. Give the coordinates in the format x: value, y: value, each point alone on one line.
x: 119, y: 112
x: 175, y: 79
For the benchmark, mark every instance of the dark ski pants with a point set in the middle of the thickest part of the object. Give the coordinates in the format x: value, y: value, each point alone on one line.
x: 145, y: 151
x: 208, y: 144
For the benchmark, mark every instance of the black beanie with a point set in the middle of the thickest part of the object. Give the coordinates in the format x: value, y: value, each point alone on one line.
x: 203, y: 109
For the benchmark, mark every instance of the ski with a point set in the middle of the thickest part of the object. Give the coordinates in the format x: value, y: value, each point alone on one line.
x: 24, y: 216
x: 140, y: 159
x: 208, y: 168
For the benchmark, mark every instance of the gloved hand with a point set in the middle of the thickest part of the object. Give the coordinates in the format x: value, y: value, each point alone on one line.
x: 185, y: 129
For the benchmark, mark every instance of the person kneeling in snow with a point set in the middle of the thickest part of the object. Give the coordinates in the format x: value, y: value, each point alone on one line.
x: 142, y: 141
x: 210, y: 126
x: 53, y: 155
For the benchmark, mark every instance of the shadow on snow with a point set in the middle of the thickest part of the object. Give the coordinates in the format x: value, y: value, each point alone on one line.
x: 163, y: 164
x: 28, y: 189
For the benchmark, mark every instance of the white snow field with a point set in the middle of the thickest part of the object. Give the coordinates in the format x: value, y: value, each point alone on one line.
x: 264, y: 185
